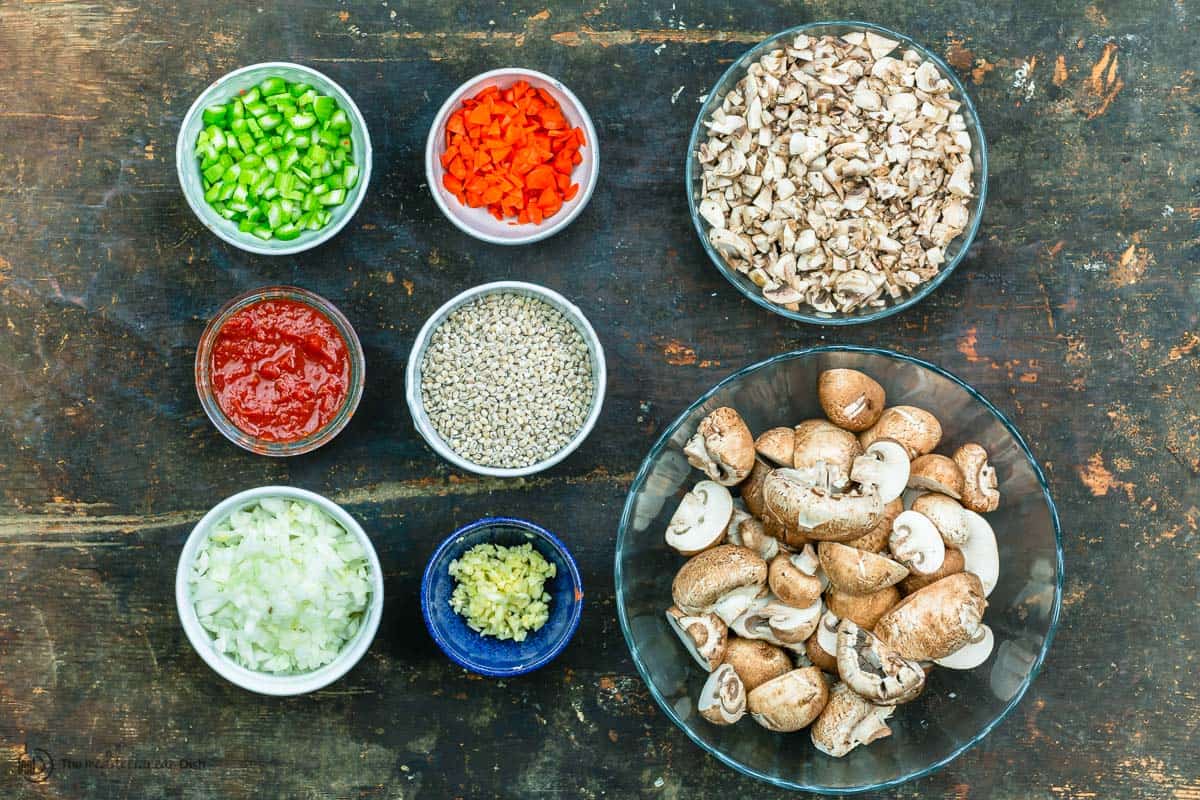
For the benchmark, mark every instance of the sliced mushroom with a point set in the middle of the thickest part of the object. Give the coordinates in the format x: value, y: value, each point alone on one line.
x: 818, y: 442
x: 874, y: 670
x: 979, y: 479
x: 818, y: 512
x: 777, y: 623
x: 952, y: 563
x: 916, y: 543
x: 704, y: 636
x: 793, y: 577
x: 848, y: 721
x: 884, y: 465
x: 724, y: 580
x: 936, y: 473
x: 946, y: 515
x: 756, y: 661
x: 749, y: 532
x: 933, y: 622
x: 851, y: 399
x: 858, y: 571
x: 876, y: 539
x: 789, y: 702
x: 980, y: 555
x: 865, y: 609
x: 777, y: 445
x: 916, y: 429
x: 723, y: 698
x: 722, y: 447
x: 701, y: 519
x: 970, y: 655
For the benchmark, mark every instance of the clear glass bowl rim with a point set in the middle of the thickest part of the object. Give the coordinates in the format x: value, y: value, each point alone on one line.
x: 812, y: 318
x: 664, y: 440
x: 202, y: 370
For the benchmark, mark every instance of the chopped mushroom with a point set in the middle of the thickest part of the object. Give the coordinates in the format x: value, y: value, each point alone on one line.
x: 874, y: 670
x: 970, y: 655
x: 952, y: 563
x: 876, y: 539
x: 793, y: 577
x: 818, y: 511
x: 933, y: 622
x: 789, y: 702
x: 723, y: 698
x: 756, y: 661
x: 704, y: 636
x: 851, y: 399
x: 777, y: 445
x: 979, y: 479
x: 777, y: 623
x: 750, y: 533
x: 858, y: 571
x: 916, y: 543
x: 722, y: 447
x: 936, y: 473
x: 701, y: 519
x: 849, y: 721
x: 821, y: 444
x: 864, y: 609
x: 946, y: 515
x: 884, y: 465
x: 915, y: 428
x: 980, y: 554
x: 724, y: 580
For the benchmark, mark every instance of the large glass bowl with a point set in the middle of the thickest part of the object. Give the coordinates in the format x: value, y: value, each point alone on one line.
x: 955, y: 251
x: 958, y: 708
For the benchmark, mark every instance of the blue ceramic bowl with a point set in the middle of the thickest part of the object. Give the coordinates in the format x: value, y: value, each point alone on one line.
x: 487, y: 655
x: 958, y: 708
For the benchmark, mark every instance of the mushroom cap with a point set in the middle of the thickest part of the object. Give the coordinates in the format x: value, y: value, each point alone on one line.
x: 777, y: 623
x: 876, y: 539
x: 789, y: 702
x: 751, y: 488
x: 756, y: 661
x: 818, y: 512
x: 952, y: 563
x: 884, y: 465
x: 793, y: 577
x: 972, y: 654
x: 858, y: 571
x: 916, y: 543
x: 874, y: 670
x: 848, y: 721
x: 980, y: 493
x: 936, y: 473
x: 818, y: 441
x: 712, y: 576
x: 701, y: 519
x: 723, y: 698
x: 851, y: 399
x: 933, y: 622
x: 946, y: 514
x: 980, y: 555
x: 865, y: 609
x: 915, y: 428
x: 777, y: 445
x: 722, y: 447
x: 750, y: 533
x: 704, y: 636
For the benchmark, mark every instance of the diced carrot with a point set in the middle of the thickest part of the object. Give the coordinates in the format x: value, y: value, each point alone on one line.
x: 571, y: 191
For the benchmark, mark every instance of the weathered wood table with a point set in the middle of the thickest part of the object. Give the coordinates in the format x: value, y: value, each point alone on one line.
x: 1076, y: 312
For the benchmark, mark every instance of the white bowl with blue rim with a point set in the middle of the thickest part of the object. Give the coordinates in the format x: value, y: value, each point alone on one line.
x: 487, y: 655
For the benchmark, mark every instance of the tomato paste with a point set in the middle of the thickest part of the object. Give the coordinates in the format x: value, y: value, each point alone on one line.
x: 280, y: 370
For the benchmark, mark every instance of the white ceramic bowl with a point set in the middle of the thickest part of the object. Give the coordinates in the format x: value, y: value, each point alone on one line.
x: 264, y: 682
x: 189, y: 170
x: 412, y: 379
x: 477, y: 221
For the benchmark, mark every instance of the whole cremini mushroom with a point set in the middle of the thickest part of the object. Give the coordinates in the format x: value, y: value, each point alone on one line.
x: 723, y: 698
x: 946, y: 514
x: 865, y: 609
x: 789, y: 702
x: 937, y: 620
x: 851, y: 399
x: 793, y: 577
x: 884, y: 465
x: 858, y: 571
x: 701, y: 519
x: 819, y: 512
x: 915, y: 428
x: 936, y: 473
x: 722, y: 447
x: 848, y: 721
x: 756, y: 661
x: 817, y: 442
x: 916, y: 543
x: 703, y: 635
x: 777, y: 445
x: 874, y: 670
x: 724, y: 580
x: 980, y: 493
x: 876, y: 539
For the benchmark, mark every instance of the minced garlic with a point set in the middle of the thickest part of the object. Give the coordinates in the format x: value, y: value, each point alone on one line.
x: 500, y: 591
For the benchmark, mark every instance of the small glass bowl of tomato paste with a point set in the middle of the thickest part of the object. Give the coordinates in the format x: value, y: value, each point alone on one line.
x: 279, y: 371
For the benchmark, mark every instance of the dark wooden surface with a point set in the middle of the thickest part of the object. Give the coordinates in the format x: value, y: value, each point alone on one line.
x: 1076, y: 312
